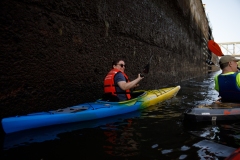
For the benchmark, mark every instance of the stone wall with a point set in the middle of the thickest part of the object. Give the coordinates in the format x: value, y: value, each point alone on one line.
x: 56, y: 53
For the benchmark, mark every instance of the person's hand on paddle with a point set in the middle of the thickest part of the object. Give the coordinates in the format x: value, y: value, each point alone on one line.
x: 124, y: 86
x: 141, y: 76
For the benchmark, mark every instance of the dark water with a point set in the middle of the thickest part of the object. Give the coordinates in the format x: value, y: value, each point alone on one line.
x: 153, y: 133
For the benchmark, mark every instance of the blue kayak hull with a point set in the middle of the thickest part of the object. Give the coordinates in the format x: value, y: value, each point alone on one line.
x: 87, y: 111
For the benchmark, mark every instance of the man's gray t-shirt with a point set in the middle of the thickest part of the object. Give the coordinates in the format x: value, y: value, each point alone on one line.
x: 120, y: 77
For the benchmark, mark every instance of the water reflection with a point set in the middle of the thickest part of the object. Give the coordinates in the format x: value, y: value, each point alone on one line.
x: 48, y: 133
x: 211, y: 151
x: 122, y: 140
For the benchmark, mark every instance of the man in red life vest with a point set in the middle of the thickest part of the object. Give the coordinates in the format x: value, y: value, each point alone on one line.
x: 116, y: 83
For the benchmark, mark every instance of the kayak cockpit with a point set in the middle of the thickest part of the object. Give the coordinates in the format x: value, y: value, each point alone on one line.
x: 70, y: 109
x: 110, y: 98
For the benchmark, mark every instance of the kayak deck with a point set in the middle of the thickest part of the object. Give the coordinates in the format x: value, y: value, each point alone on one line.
x: 213, y: 112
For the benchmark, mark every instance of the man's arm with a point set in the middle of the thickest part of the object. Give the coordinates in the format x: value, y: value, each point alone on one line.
x: 238, y: 80
x: 216, y: 87
x: 125, y: 86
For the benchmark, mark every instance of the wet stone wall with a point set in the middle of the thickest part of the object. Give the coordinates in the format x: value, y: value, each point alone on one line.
x: 56, y: 53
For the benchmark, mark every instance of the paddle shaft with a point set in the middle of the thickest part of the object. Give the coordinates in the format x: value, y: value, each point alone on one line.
x: 146, y: 68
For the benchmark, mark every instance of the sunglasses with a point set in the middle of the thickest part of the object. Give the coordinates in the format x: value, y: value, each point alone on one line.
x: 122, y: 65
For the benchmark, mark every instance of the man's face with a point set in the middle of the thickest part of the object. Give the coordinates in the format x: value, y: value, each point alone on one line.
x: 120, y: 66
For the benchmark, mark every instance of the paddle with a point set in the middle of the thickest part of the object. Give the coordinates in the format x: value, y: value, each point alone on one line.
x: 146, y: 68
x: 214, y: 48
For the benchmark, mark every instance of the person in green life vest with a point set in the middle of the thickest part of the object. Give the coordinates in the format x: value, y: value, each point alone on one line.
x: 117, y: 84
x: 228, y: 82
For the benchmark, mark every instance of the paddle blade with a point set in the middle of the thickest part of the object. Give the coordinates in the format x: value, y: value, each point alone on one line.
x: 214, y: 47
x: 146, y: 69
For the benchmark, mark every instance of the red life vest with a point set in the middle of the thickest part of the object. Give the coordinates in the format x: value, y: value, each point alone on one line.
x: 110, y: 87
